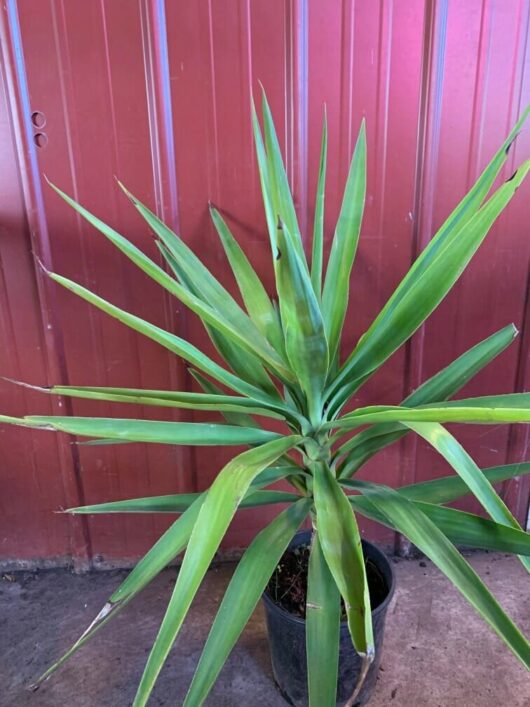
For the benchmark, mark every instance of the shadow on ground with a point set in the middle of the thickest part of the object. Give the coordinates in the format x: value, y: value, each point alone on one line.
x: 437, y: 653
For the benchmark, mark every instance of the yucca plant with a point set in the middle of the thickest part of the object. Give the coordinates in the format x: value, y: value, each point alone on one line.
x: 283, y: 362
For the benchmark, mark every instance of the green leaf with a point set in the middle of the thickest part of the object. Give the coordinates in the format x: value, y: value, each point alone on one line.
x: 162, y: 398
x: 243, y: 419
x: 191, y: 433
x: 280, y: 193
x: 228, y: 318
x: 167, y: 547
x: 438, y: 412
x: 450, y: 488
x: 193, y: 269
x: 341, y: 545
x: 439, y: 387
x: 277, y: 473
x: 422, y: 289
x: 243, y: 593
x: 468, y: 207
x: 318, y: 229
x: 177, y: 503
x: 270, y: 210
x: 409, y: 520
x: 215, y: 515
x: 243, y: 363
x: 254, y: 294
x: 344, y: 246
x: 173, y: 343
x: 453, y: 377
x: 323, y: 612
x: 446, y: 445
x: 460, y: 527
x: 474, y: 531
x: 305, y: 339
x: 509, y: 401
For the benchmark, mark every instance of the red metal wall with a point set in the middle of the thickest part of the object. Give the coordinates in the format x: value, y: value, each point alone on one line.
x: 158, y: 94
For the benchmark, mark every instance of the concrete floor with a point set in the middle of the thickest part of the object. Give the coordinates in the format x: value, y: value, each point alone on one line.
x: 438, y: 653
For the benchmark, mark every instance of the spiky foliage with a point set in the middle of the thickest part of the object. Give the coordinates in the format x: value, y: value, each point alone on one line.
x: 283, y: 362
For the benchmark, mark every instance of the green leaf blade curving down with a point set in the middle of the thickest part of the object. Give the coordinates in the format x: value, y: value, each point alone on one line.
x: 460, y: 527
x: 323, y: 613
x: 341, y: 545
x: 243, y: 593
x: 217, y: 511
x: 446, y: 445
x: 167, y: 547
x: 421, y: 531
x: 450, y: 488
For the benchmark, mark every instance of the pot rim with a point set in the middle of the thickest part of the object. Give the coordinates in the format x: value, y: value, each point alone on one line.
x: 381, y: 559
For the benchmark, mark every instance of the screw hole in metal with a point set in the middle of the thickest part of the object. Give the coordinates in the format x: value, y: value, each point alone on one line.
x: 38, y: 119
x: 40, y: 139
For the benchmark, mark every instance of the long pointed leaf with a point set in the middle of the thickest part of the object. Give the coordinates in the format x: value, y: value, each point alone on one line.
x: 305, y: 339
x: 190, y: 433
x: 270, y: 209
x: 344, y: 246
x: 230, y: 322
x: 318, y: 229
x: 177, y: 503
x: 439, y: 387
x: 341, y: 545
x: 243, y: 593
x: 279, y: 189
x: 421, y: 292
x: 438, y: 412
x: 460, y: 527
x: 410, y: 521
x: 171, y: 342
x: 450, y: 488
x: 161, y: 398
x: 167, y: 547
x: 323, y: 613
x: 446, y: 445
x: 214, y: 517
x: 243, y: 362
x: 254, y: 294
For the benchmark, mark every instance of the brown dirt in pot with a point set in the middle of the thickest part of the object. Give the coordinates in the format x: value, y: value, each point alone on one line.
x: 288, y: 585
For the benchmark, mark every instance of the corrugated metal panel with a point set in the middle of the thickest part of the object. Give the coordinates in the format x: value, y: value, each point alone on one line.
x: 158, y: 94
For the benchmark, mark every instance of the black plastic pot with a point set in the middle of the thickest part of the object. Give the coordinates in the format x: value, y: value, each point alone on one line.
x: 287, y: 641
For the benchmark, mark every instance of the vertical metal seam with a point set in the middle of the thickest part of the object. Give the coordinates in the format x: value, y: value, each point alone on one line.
x: 301, y: 92
x: 428, y: 124
x: 213, y: 92
x: 134, y: 338
x: 54, y: 354
x: 160, y: 118
x: 385, y: 113
x: 519, y: 439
